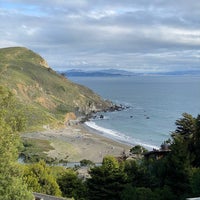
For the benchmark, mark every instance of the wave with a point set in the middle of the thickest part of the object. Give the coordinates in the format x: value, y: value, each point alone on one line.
x: 120, y: 137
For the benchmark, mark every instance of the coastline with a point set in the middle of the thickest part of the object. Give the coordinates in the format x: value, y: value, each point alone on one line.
x: 116, y: 136
x: 77, y: 142
x: 107, y: 133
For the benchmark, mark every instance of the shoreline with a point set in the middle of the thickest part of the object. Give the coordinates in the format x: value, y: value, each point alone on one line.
x: 117, y: 136
x: 77, y: 142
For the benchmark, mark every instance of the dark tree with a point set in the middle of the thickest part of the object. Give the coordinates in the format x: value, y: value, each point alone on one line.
x: 107, y: 181
x: 196, y: 143
x: 71, y: 185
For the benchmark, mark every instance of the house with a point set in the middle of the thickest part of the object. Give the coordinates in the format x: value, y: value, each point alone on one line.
x: 158, y: 153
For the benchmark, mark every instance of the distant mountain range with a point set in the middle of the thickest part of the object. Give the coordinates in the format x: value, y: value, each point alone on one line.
x: 101, y: 73
x: 115, y: 73
x: 180, y: 73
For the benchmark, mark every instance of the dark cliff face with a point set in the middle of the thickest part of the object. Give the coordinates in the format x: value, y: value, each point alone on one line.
x: 45, y: 95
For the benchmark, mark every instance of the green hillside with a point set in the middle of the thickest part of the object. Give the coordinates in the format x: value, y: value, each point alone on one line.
x: 46, y: 96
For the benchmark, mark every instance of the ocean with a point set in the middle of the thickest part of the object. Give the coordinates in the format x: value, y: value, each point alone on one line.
x: 155, y: 103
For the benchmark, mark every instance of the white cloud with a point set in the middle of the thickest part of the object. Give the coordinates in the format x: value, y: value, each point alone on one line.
x: 138, y: 35
x: 7, y: 43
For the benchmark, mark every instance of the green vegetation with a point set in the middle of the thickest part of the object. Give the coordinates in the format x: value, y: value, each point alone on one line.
x: 11, y: 122
x: 138, y: 150
x: 173, y: 176
x: 39, y: 178
x: 85, y: 162
x: 71, y: 185
x: 107, y: 181
x: 33, y: 150
x: 46, y: 96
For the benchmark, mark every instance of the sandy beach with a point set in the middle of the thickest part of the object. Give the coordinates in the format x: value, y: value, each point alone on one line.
x: 78, y: 142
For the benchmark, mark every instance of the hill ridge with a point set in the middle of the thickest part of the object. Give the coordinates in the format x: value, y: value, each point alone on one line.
x: 42, y: 91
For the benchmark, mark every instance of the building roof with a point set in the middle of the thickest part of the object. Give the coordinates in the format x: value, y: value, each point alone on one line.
x: 39, y: 196
x: 156, y: 153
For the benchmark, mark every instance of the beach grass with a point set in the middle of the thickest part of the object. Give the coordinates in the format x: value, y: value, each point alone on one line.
x: 35, y: 149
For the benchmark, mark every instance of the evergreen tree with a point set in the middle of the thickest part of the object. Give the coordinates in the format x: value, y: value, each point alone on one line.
x: 185, y: 126
x: 178, y: 169
x: 107, y: 181
x: 138, y: 173
x: 71, y: 185
x: 196, y: 143
x: 138, y: 193
x: 195, y: 182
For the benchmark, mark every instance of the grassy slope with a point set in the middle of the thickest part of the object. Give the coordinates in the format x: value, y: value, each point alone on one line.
x: 46, y: 95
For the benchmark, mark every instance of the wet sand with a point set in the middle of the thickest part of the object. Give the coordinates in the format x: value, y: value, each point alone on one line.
x: 78, y: 142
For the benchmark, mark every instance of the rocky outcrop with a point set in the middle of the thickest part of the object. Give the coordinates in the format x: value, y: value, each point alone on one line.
x: 44, y: 63
x: 70, y: 119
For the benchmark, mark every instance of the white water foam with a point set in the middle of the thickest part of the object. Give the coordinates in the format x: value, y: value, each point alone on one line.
x: 118, y: 136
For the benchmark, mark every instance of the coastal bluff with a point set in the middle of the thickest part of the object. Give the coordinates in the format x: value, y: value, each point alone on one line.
x: 45, y: 96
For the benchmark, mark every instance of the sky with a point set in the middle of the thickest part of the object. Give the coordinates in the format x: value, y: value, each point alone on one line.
x: 136, y: 35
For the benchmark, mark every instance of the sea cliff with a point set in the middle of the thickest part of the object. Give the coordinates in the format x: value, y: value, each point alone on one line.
x: 45, y: 96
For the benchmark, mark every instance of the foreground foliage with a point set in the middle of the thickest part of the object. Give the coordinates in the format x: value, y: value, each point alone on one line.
x: 11, y: 122
x: 39, y: 178
x: 107, y: 181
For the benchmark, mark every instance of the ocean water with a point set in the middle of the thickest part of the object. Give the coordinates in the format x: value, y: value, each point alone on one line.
x: 155, y: 102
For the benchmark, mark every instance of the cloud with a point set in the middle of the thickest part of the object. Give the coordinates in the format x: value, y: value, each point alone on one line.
x: 139, y: 35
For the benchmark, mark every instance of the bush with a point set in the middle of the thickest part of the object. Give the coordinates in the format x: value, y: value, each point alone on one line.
x: 86, y: 162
